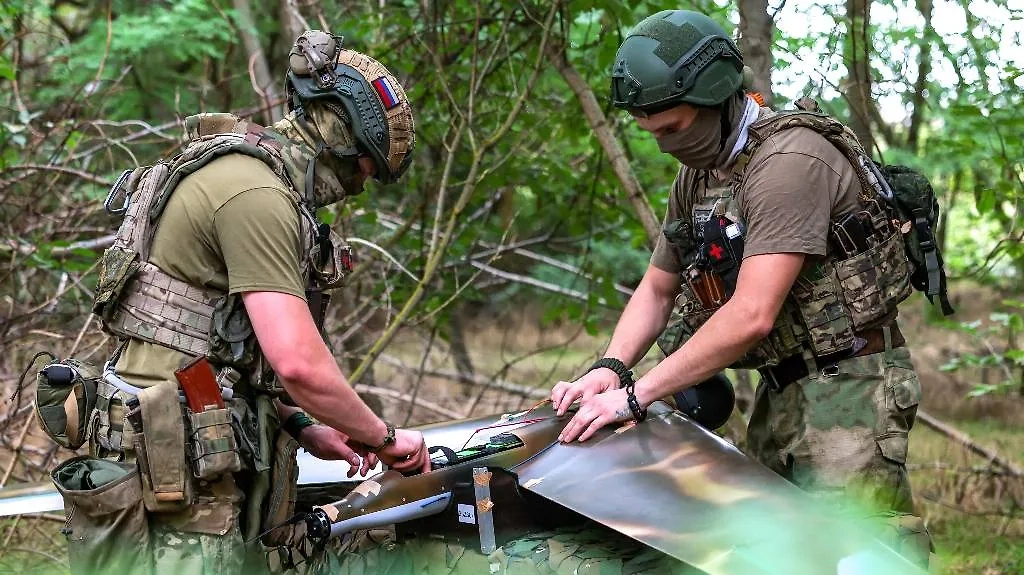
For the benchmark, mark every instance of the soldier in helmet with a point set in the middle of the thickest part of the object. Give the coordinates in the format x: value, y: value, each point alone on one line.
x: 220, y: 256
x: 775, y: 255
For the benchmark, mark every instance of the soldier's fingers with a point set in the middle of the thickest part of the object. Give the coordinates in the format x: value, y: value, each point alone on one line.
x: 371, y: 461
x: 571, y: 395
x: 577, y: 424
x: 591, y: 429
x: 557, y: 393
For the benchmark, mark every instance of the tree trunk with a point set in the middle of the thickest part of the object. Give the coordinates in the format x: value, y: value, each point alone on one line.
x: 858, y: 64
x: 292, y: 22
x: 613, y: 151
x: 756, y: 28
x: 924, y: 66
x: 264, y: 83
x: 460, y: 353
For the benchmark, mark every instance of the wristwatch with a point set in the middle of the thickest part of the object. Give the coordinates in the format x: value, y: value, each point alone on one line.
x: 389, y: 437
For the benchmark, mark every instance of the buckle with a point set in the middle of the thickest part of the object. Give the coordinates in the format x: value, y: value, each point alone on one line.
x: 830, y: 370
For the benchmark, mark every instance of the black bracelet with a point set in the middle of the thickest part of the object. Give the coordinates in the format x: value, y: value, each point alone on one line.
x: 296, y: 422
x: 639, y: 413
x: 616, y: 365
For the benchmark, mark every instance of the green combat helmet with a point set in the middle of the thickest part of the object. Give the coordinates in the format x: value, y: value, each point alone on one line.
x: 674, y: 57
x: 360, y: 90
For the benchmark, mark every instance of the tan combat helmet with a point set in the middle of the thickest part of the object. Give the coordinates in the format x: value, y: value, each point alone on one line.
x: 363, y: 92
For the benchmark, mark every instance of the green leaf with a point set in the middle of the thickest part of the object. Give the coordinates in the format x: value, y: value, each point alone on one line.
x: 6, y: 69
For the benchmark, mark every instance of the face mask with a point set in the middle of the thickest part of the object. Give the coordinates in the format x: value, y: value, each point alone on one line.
x: 333, y: 177
x: 696, y: 146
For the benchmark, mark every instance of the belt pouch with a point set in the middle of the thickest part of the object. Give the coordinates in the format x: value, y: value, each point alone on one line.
x: 106, y: 521
x: 160, y: 448
x: 212, y: 444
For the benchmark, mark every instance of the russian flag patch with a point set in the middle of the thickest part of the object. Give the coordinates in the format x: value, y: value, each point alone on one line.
x: 386, y: 92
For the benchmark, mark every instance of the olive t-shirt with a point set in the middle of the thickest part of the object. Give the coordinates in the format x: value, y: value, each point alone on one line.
x: 230, y: 226
x: 794, y: 184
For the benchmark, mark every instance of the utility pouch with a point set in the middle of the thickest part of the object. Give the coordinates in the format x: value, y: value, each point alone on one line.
x: 160, y: 449
x: 65, y: 398
x: 211, y: 444
x: 116, y: 266
x: 875, y: 281
x: 280, y: 505
x: 818, y: 298
x: 106, y: 520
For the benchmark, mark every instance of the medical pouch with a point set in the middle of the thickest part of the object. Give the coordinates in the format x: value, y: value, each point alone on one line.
x: 65, y: 398
x: 212, y: 447
x: 160, y: 449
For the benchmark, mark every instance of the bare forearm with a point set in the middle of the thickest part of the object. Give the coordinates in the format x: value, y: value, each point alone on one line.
x: 322, y: 391
x: 641, y: 322
x: 726, y: 336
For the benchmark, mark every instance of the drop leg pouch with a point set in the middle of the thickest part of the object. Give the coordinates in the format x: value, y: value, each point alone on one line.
x: 106, y: 526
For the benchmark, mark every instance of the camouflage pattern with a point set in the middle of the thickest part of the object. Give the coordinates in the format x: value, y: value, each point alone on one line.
x: 333, y: 178
x: 63, y: 408
x: 212, y: 447
x: 176, y: 552
x: 106, y: 521
x: 158, y: 308
x: 566, y: 551
x: 843, y: 439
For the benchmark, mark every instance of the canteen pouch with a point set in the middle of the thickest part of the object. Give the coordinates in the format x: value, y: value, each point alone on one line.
x: 212, y: 447
x: 160, y: 449
x: 65, y: 397
x: 106, y: 521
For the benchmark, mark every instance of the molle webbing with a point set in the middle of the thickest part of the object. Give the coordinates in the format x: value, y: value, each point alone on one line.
x: 159, y: 309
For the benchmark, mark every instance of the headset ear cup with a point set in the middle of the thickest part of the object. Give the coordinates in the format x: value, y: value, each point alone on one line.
x: 709, y: 403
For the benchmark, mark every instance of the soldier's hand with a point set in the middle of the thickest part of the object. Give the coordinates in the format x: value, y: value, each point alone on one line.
x: 594, y: 382
x: 327, y: 443
x: 596, y: 412
x: 407, y: 453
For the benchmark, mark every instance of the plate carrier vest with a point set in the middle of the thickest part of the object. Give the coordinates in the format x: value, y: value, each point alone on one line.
x: 832, y: 300
x: 136, y: 300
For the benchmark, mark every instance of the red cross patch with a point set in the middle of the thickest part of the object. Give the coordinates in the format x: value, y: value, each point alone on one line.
x: 715, y: 251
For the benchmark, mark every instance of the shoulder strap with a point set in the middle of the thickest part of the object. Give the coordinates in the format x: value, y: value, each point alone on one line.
x: 837, y: 134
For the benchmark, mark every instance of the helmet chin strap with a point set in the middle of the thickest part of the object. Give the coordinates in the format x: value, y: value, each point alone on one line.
x: 310, y: 171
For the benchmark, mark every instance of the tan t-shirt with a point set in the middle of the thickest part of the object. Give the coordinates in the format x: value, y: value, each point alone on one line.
x: 795, y: 183
x: 229, y: 226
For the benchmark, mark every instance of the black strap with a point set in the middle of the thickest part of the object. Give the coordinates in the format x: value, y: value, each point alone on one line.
x: 935, y: 283
x: 616, y: 365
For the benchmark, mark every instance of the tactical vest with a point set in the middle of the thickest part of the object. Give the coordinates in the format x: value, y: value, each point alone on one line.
x: 136, y: 300
x: 833, y: 299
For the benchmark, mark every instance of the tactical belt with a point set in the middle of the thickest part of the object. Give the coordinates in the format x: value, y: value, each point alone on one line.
x: 795, y: 367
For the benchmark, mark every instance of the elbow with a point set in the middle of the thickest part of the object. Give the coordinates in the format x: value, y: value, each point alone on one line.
x: 758, y: 320
x: 760, y: 327
x: 291, y: 368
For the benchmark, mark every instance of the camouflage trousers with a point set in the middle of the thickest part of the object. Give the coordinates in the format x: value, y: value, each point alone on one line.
x: 842, y: 437
x: 573, y: 550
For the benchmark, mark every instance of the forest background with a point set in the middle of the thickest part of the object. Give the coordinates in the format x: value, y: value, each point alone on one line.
x: 499, y: 264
